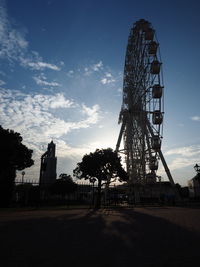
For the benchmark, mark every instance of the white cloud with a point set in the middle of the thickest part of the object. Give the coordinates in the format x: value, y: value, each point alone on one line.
x: 50, y: 101
x: 97, y: 66
x: 39, y: 65
x: 108, y: 78
x: 34, y: 118
x: 41, y: 80
x: 12, y: 42
x: 195, y: 118
x: 65, y: 150
x: 92, y: 113
x: 14, y: 46
x: 186, y: 151
x: 179, y: 163
x: 104, y: 81
x: 183, y: 157
x: 93, y: 68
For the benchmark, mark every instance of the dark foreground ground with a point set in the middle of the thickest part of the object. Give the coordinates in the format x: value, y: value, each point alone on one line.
x: 121, y: 237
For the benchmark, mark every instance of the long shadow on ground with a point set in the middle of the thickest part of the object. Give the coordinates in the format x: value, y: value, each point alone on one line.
x: 117, y: 238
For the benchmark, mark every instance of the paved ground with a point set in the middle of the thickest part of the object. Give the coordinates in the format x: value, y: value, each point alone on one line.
x: 120, y: 237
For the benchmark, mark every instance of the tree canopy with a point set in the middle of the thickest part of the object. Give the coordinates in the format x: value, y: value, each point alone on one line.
x: 103, y: 165
x: 15, y: 156
x: 14, y: 153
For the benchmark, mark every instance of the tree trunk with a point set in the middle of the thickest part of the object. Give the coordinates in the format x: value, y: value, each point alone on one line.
x: 98, y: 202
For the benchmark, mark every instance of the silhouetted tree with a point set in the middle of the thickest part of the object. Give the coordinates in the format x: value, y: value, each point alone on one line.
x: 103, y: 165
x: 63, y: 186
x: 65, y: 177
x: 14, y: 156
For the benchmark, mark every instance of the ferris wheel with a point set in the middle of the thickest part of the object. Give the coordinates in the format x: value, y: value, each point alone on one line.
x: 142, y: 109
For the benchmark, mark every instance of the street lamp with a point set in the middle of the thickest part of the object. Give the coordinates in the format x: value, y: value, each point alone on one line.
x: 92, y: 180
x: 197, y: 168
x: 23, y: 173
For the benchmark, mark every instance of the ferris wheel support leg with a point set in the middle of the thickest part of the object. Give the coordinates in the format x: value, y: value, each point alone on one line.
x: 120, y: 136
x: 177, y: 195
x: 166, y: 168
x: 178, y: 198
x: 117, y: 149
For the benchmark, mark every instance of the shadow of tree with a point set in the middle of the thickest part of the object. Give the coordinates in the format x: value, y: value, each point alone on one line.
x: 120, y: 237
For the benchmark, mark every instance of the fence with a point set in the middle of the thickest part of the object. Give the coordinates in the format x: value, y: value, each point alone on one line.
x: 30, y: 193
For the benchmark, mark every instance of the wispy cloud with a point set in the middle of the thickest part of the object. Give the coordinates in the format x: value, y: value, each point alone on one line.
x: 92, y: 113
x: 42, y: 80
x: 179, y: 163
x: 195, y: 118
x: 108, y: 78
x: 15, y: 48
x: 183, y: 156
x: 34, y: 117
x: 88, y: 70
x: 101, y: 73
x: 186, y: 151
x: 38, y: 65
x: 12, y: 41
x: 97, y: 66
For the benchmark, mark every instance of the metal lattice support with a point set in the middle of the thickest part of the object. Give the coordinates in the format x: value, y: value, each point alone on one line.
x: 142, y: 109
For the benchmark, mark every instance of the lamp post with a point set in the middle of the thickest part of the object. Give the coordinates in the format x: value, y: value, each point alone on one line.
x: 197, y: 168
x: 92, y: 180
x: 23, y: 173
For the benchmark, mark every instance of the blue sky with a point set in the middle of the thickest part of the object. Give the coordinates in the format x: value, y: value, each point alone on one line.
x: 61, y: 75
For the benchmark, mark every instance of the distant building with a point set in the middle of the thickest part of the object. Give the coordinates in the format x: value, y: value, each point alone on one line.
x: 194, y: 186
x: 48, y: 166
